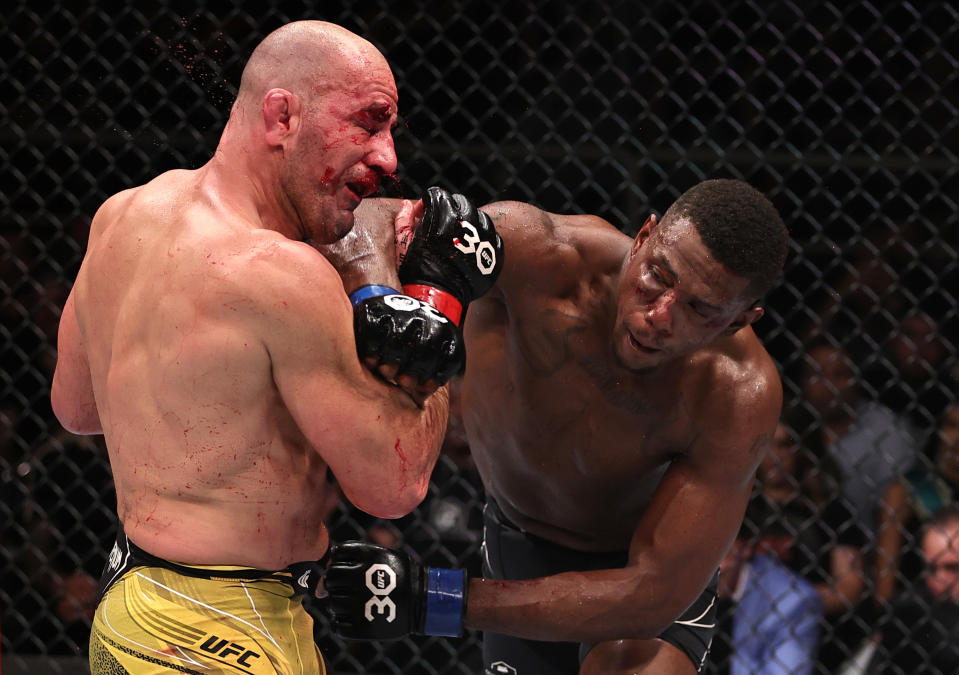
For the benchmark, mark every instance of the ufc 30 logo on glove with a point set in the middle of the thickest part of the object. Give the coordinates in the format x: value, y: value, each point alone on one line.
x: 407, y: 597
x: 455, y: 255
x: 380, y: 580
x: 472, y: 242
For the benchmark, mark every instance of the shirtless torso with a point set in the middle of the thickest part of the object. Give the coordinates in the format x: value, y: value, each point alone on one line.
x: 617, y: 404
x: 219, y: 354
x: 570, y: 443
x: 596, y: 442
x: 215, y: 349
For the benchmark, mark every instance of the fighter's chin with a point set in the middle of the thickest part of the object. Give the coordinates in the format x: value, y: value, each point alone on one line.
x: 343, y: 222
x: 332, y: 227
x: 634, y: 357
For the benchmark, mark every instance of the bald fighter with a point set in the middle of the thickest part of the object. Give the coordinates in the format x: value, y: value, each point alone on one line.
x: 617, y: 403
x: 214, y: 347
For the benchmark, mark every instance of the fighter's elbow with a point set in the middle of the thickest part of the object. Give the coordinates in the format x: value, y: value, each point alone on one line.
x: 390, y: 501
x: 647, y: 627
x: 660, y: 614
x: 82, y: 419
x: 80, y: 422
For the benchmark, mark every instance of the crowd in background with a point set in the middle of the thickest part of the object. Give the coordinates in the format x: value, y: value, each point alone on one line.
x: 847, y: 560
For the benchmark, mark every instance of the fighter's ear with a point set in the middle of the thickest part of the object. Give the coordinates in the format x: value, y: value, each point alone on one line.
x: 751, y: 315
x: 644, y: 232
x: 281, y: 116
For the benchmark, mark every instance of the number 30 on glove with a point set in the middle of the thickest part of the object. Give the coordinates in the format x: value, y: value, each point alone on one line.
x: 454, y: 257
x: 377, y: 593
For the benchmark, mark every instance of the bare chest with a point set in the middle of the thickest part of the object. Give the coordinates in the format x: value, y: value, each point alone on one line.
x: 561, y: 432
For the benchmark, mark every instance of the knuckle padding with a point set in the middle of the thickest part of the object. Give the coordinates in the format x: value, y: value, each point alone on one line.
x: 461, y: 205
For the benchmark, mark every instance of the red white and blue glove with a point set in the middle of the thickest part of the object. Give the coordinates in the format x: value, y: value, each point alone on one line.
x: 376, y: 593
x: 455, y: 255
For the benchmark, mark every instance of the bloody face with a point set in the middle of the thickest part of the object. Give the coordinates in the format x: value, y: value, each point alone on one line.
x: 674, y: 297
x: 343, y: 149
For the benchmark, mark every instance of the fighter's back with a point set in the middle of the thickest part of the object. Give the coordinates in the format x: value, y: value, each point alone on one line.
x: 208, y: 463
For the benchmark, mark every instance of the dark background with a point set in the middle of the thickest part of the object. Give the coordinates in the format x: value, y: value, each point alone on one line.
x: 843, y: 113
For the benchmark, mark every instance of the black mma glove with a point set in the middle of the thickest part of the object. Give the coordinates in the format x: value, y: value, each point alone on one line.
x: 377, y: 593
x: 392, y: 328
x: 454, y: 257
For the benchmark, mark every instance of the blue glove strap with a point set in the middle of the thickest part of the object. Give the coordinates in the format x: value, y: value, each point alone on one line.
x: 445, y: 596
x: 370, y: 291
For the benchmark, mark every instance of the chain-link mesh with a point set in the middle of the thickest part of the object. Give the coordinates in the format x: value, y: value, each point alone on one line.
x: 843, y: 113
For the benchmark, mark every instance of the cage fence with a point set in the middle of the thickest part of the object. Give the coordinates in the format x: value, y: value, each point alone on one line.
x: 843, y: 113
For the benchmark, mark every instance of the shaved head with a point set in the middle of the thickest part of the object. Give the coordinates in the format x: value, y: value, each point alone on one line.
x: 311, y: 128
x: 306, y: 58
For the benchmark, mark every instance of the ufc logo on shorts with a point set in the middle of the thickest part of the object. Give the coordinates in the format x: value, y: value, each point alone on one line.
x: 380, y: 580
x: 471, y: 243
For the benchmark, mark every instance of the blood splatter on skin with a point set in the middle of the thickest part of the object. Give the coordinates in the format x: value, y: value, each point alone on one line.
x: 403, y: 460
x: 328, y: 175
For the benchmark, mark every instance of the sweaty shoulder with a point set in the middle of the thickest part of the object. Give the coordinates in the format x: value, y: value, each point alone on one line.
x: 550, y: 247
x: 734, y: 392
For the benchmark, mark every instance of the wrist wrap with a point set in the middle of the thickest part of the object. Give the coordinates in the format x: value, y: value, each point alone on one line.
x: 444, y: 302
x: 369, y: 291
x: 445, y: 602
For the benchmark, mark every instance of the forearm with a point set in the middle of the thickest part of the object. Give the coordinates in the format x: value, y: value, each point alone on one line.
x: 388, y: 474
x: 429, y: 432
x: 367, y: 254
x: 573, y: 607
x: 664, y: 576
x: 595, y: 606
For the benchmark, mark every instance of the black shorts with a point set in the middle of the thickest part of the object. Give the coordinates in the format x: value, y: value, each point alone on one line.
x: 511, y: 554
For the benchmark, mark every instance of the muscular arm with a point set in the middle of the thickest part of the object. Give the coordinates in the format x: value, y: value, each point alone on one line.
x: 380, y: 445
x: 536, y: 239
x: 677, y: 546
x: 72, y: 390
x: 367, y: 254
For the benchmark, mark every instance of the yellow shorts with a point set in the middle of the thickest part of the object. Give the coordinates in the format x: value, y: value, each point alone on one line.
x: 154, y: 620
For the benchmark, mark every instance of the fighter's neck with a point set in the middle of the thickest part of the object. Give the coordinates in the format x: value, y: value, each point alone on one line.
x: 250, y: 193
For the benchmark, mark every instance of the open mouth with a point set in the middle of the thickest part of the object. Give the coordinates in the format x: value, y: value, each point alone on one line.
x: 363, y: 188
x: 639, y: 346
x: 355, y: 191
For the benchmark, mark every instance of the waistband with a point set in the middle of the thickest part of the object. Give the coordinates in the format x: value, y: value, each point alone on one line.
x: 302, y: 577
x: 493, y: 512
x: 492, y: 509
